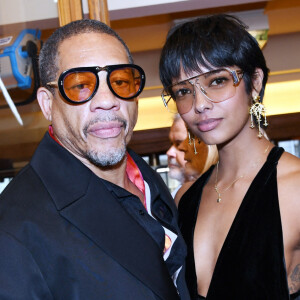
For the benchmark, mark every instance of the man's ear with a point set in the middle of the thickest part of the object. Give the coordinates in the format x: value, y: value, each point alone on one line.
x: 257, y: 82
x: 45, y: 99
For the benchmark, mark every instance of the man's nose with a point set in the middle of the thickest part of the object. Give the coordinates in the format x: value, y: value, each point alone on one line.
x: 104, y: 98
x: 172, y: 151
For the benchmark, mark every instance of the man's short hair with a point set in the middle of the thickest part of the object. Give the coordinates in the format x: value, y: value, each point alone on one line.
x: 49, y: 53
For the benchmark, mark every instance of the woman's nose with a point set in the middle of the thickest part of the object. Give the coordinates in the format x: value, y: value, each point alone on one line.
x: 201, y: 101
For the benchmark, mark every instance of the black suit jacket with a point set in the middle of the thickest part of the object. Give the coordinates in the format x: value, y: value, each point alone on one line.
x: 64, y: 236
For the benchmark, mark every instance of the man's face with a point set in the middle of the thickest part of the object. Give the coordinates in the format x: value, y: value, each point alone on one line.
x: 97, y: 131
x: 194, y: 162
x: 176, y: 162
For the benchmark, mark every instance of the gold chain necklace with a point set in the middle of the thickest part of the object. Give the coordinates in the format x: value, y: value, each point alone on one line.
x: 231, y: 184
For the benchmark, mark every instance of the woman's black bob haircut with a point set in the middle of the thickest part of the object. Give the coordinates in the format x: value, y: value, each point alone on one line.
x: 213, y: 42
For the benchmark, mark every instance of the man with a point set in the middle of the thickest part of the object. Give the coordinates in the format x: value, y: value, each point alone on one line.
x: 199, y: 157
x: 184, y: 164
x: 84, y: 219
x: 176, y: 161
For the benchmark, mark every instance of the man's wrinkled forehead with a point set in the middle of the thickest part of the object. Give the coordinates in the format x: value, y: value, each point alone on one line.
x: 79, y: 49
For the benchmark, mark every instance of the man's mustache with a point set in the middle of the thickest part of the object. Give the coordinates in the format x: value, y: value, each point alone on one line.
x: 104, y: 119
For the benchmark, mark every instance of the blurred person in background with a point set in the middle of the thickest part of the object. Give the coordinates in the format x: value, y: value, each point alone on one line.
x: 176, y: 161
x: 188, y: 157
x: 199, y: 158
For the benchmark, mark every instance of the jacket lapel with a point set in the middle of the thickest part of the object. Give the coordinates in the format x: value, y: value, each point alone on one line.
x: 83, y: 200
x: 116, y: 233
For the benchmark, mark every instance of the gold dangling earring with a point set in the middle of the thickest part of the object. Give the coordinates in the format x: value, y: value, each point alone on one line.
x: 192, y: 140
x: 195, y: 150
x: 190, y: 137
x: 258, y: 110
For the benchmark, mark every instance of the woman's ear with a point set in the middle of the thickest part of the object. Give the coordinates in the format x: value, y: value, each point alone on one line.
x: 45, y: 99
x: 257, y: 82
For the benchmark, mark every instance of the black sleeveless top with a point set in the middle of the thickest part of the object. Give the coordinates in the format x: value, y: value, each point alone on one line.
x: 251, y: 263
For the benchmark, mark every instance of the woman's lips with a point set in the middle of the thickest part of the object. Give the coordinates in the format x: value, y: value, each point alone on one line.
x: 106, y: 130
x: 208, y: 124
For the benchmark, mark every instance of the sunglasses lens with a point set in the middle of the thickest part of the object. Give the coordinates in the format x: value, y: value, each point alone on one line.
x: 79, y: 86
x: 126, y: 82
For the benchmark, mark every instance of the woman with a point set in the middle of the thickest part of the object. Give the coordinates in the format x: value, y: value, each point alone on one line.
x: 240, y: 219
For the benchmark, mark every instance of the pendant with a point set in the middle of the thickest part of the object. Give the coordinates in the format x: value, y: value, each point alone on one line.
x: 219, y: 200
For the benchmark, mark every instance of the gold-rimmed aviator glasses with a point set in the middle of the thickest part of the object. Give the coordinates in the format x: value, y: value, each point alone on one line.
x: 216, y: 85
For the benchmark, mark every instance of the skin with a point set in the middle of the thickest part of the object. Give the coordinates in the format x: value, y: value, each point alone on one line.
x: 102, y: 126
x: 176, y: 161
x: 194, y: 162
x: 227, y: 124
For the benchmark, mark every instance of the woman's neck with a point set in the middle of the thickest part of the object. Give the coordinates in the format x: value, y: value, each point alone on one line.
x: 238, y: 156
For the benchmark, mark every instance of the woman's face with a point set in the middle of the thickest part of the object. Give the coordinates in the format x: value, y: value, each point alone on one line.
x: 217, y: 123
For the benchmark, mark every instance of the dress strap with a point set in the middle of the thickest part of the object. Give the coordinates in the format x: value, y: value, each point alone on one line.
x: 275, y: 154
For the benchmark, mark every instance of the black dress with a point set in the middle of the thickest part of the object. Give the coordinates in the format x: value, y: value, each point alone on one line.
x: 251, y: 263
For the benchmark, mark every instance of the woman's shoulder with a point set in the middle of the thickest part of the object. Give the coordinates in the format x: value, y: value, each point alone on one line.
x: 289, y: 167
x: 288, y: 178
x: 288, y: 182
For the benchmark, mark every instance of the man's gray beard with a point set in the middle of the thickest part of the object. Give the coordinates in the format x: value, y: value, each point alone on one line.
x: 105, y: 159
x: 110, y: 157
